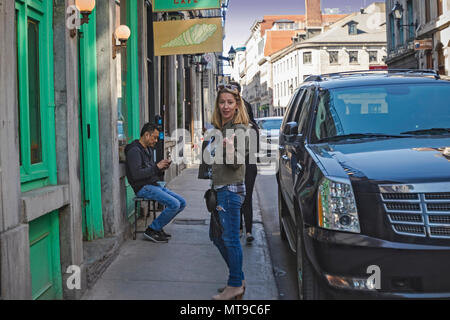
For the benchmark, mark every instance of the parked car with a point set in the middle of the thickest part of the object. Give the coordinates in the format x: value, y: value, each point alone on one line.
x: 364, y: 185
x: 269, y: 129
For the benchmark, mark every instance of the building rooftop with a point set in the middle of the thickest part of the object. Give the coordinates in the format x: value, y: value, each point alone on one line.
x: 280, y: 39
x: 371, y: 27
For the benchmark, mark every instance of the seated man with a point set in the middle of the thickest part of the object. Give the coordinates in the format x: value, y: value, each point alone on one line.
x: 143, y: 175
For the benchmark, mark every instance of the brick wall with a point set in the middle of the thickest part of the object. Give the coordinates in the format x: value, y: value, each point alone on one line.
x: 313, y: 13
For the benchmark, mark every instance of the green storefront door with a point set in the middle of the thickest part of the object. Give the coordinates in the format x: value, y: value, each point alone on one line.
x: 89, y: 133
x: 36, y: 110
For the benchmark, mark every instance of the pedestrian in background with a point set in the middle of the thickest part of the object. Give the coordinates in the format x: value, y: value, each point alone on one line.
x: 251, y: 170
x: 228, y: 181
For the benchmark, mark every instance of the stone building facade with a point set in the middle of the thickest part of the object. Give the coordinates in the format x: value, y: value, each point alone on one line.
x: 68, y: 107
x: 356, y: 42
x: 419, y: 20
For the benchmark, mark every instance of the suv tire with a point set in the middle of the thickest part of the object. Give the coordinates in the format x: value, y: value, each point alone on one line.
x: 282, y: 212
x: 307, y: 280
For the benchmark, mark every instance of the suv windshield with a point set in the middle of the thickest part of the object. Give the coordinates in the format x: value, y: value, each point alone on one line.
x: 390, y: 110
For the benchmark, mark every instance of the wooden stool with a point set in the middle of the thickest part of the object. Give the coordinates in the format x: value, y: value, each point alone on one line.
x: 151, y: 208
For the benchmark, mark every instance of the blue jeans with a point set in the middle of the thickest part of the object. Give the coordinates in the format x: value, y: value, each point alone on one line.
x: 229, y: 245
x: 173, y: 202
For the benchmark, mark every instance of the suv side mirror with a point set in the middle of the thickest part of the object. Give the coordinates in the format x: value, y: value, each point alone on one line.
x: 291, y: 131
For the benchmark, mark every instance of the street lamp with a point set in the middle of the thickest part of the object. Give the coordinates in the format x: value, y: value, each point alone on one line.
x: 122, y: 34
x: 201, y: 65
x: 397, y: 11
x: 85, y: 7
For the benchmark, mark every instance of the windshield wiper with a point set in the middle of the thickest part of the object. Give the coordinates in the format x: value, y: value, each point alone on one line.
x: 362, y: 136
x: 428, y: 131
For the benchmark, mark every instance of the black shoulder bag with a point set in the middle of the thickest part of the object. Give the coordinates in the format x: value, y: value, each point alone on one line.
x: 215, y: 226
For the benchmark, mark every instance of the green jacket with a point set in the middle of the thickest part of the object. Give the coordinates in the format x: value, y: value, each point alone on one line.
x: 234, y: 172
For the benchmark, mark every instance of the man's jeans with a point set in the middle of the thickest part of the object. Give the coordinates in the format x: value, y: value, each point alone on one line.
x: 173, y: 202
x: 229, y: 208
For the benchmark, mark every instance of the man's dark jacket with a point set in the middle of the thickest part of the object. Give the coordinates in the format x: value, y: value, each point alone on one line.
x: 141, y: 168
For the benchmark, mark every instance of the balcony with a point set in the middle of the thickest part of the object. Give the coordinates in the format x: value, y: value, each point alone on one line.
x: 401, y: 50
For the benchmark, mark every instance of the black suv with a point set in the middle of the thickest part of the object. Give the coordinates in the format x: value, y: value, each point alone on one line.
x: 364, y: 185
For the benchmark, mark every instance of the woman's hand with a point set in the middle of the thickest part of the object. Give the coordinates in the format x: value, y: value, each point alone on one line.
x: 228, y: 144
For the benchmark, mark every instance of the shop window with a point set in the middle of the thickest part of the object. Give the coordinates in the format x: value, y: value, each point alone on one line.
x: 427, y: 11
x: 440, y: 9
x: 35, y: 91
x: 392, y: 31
x: 430, y: 60
x: 122, y: 110
x: 441, y: 59
x: 410, y: 9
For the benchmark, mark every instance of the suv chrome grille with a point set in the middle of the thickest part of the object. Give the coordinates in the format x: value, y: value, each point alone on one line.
x: 418, y: 214
x: 400, y: 196
x: 402, y: 206
x: 437, y: 196
x: 418, y: 231
x: 438, y: 206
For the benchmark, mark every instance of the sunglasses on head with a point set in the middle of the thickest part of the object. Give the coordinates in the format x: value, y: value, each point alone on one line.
x: 229, y: 87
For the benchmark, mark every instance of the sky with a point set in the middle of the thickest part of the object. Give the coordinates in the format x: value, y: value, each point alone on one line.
x: 242, y: 14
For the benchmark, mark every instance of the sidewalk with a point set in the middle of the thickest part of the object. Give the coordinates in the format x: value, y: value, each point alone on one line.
x: 189, y: 267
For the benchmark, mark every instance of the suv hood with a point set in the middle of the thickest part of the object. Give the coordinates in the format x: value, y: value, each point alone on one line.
x: 406, y: 160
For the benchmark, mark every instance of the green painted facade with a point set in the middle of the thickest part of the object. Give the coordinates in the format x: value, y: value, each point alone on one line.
x: 36, y: 109
x: 37, y: 140
x: 132, y: 88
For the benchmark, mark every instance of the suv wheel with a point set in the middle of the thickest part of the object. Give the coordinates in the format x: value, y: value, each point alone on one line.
x: 308, y: 284
x: 282, y: 212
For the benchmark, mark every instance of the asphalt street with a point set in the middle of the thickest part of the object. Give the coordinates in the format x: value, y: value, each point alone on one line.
x: 283, y: 259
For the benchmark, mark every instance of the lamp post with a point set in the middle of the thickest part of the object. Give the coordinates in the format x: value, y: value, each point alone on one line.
x: 397, y: 11
x: 85, y: 7
x: 122, y: 34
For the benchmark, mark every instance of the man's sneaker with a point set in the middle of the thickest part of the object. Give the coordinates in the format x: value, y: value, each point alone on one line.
x: 155, y: 236
x: 166, y: 234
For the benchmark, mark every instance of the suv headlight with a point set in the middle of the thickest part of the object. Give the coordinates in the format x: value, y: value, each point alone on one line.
x: 337, y: 207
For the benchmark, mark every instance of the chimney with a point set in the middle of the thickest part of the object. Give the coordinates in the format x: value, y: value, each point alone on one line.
x: 313, y: 13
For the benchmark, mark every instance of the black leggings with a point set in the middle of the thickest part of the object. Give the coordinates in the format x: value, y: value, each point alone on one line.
x: 247, y: 207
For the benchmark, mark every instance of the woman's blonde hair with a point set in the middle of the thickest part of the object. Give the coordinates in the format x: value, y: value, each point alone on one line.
x: 241, y: 116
